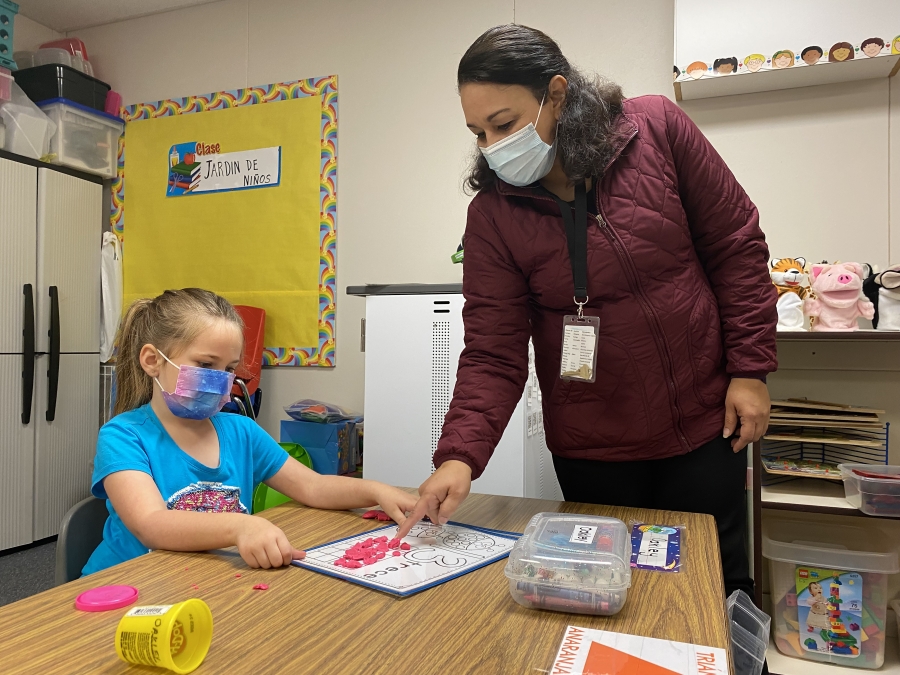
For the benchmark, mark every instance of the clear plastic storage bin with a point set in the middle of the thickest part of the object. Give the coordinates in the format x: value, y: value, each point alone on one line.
x: 571, y: 563
x: 875, y: 491
x: 829, y: 590
x: 86, y: 139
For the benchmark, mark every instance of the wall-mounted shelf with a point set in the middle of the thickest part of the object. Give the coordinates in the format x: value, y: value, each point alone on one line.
x: 788, y: 78
x: 840, y: 336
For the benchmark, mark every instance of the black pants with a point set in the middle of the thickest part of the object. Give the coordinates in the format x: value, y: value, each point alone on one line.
x: 711, y: 479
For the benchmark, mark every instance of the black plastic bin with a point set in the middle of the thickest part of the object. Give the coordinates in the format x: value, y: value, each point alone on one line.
x: 58, y: 81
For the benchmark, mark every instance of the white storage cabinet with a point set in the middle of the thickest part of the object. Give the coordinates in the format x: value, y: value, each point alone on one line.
x: 49, y: 345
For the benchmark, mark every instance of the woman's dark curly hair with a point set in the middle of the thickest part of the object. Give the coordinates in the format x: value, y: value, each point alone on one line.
x: 513, y: 54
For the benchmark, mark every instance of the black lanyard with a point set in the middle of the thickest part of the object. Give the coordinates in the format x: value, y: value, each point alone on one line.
x: 576, y: 237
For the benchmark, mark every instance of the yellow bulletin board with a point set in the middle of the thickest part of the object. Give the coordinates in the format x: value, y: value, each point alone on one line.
x: 268, y: 241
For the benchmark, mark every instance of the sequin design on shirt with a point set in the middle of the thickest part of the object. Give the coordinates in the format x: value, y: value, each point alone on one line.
x: 207, y: 497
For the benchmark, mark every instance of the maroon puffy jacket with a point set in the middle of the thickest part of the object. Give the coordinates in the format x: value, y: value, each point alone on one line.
x: 677, y: 273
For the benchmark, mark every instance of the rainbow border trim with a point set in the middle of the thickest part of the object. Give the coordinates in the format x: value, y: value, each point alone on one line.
x: 323, y: 354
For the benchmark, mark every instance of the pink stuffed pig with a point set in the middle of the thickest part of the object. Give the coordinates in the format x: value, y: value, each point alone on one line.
x: 837, y: 301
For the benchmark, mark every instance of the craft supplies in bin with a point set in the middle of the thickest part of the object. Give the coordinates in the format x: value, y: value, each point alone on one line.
x: 8, y: 11
x: 54, y: 81
x: 829, y: 590
x: 571, y: 563
x: 874, y: 490
x: 86, y: 139
x: 749, y: 628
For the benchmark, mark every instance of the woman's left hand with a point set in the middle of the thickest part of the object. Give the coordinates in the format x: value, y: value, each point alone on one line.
x: 395, y: 502
x: 747, y: 407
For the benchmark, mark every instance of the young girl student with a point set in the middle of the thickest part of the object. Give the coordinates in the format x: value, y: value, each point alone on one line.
x: 179, y: 475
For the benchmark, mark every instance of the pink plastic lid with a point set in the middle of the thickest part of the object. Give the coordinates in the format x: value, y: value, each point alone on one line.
x: 105, y: 598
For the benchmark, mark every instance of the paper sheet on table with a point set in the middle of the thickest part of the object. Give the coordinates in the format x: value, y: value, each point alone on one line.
x: 585, y: 651
x: 436, y: 555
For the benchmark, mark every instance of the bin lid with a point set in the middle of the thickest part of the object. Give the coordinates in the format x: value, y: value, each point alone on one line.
x: 828, y: 545
x: 82, y: 108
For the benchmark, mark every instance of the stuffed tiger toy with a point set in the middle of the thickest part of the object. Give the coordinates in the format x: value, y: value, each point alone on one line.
x: 789, y: 275
x: 792, y: 283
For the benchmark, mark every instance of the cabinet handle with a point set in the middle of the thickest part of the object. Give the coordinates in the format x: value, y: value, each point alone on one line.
x: 27, y: 353
x: 53, y: 367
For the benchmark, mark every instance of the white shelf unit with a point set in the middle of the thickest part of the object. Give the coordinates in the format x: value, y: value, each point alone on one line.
x: 788, y: 78
x: 779, y: 664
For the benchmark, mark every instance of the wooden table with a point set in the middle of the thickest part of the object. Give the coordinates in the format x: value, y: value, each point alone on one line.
x: 310, y: 623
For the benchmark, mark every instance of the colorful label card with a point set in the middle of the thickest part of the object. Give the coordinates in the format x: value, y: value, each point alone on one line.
x: 655, y: 547
x: 829, y: 608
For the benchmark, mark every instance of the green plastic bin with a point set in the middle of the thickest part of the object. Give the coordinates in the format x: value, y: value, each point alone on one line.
x: 265, y: 497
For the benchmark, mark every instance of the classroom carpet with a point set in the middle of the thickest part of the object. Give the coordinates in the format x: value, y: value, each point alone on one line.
x: 27, y: 571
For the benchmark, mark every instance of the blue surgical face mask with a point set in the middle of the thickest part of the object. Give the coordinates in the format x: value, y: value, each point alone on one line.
x: 199, y: 392
x: 521, y: 158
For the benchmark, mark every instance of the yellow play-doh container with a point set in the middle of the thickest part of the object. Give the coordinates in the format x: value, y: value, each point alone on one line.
x: 176, y: 637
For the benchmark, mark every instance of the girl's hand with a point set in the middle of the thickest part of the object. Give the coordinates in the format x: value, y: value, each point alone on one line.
x: 394, y: 502
x: 262, y: 544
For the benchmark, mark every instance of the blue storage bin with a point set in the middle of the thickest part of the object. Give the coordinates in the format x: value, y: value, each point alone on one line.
x: 8, y: 11
x: 331, y: 446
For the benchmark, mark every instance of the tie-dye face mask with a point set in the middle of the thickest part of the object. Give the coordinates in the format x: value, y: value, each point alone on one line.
x: 199, y: 392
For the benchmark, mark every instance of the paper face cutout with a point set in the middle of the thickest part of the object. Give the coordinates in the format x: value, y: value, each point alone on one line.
x: 872, y: 47
x: 895, y: 45
x: 811, y: 55
x: 840, y: 51
x: 676, y: 74
x: 725, y: 66
x: 697, y: 69
x: 783, y: 59
x: 754, y: 62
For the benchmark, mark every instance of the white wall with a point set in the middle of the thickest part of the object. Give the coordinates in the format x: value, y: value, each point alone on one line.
x: 402, y: 143
x: 28, y: 35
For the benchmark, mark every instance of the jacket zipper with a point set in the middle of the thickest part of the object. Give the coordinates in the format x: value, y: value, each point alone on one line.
x: 662, y: 345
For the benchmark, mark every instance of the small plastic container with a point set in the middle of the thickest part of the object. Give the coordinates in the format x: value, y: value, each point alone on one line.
x: 74, y: 46
x: 870, y: 494
x: 113, y: 103
x: 571, y: 563
x: 24, y: 59
x: 829, y: 587
x: 6, y: 80
x: 52, y: 55
x: 749, y: 634
x: 28, y: 129
x: 176, y: 637
x: 85, y: 139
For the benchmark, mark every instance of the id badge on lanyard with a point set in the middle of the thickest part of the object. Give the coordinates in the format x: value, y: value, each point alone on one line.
x: 581, y: 334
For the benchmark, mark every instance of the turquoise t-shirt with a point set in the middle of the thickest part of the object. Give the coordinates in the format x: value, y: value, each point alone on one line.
x: 137, y: 441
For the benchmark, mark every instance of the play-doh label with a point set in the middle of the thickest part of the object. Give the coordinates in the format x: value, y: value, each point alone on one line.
x: 829, y: 609
x: 197, y: 167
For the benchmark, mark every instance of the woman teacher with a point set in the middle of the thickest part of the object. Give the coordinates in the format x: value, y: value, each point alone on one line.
x: 611, y: 233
